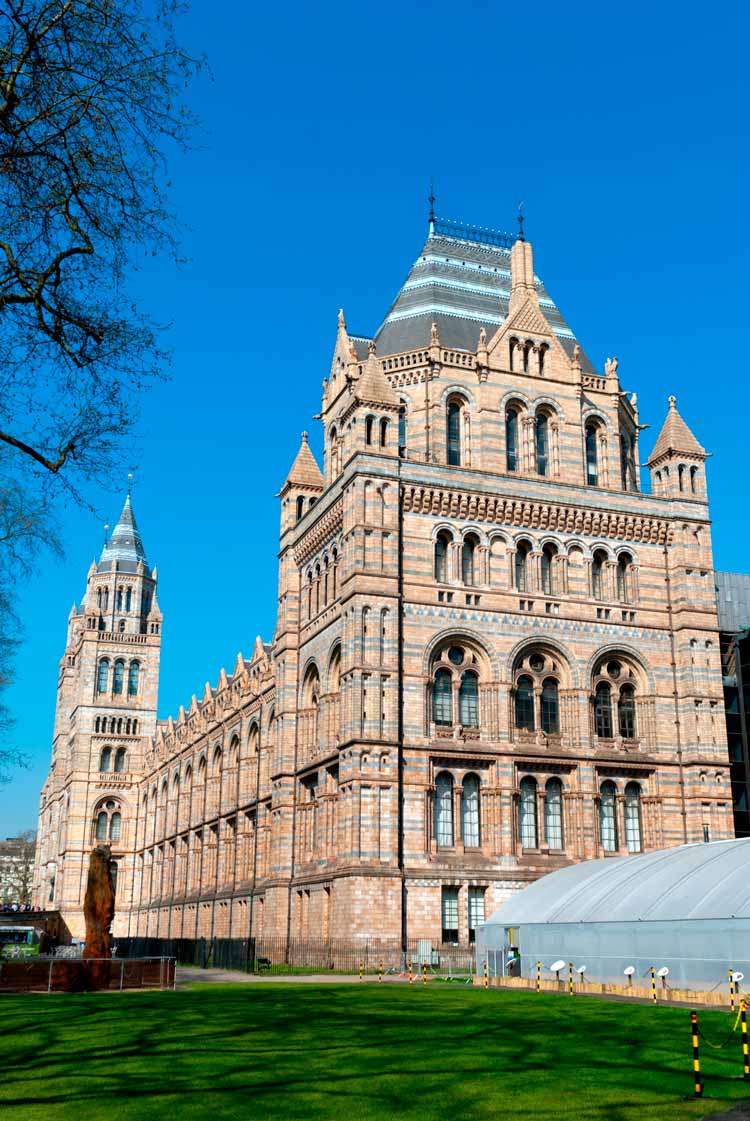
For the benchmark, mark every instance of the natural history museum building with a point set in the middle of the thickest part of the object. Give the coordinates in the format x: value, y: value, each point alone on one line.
x: 494, y: 653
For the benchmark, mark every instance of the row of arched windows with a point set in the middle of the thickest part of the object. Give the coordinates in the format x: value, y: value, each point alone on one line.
x: 522, y: 562
x: 108, y: 824
x: 321, y: 586
x: 118, y: 677
x: 687, y: 478
x: 109, y: 761
x: 552, y: 831
x: 455, y: 694
x: 116, y: 725
x: 123, y: 598
x: 530, y: 835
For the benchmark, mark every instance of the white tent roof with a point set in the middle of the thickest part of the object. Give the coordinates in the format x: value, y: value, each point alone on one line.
x: 702, y: 881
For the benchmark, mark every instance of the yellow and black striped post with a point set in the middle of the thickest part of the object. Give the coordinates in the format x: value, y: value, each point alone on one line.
x: 743, y: 1026
x: 424, y: 972
x: 380, y: 970
x: 538, y: 976
x: 570, y: 978
x: 698, y: 1090
x: 411, y: 976
x: 361, y: 968
x: 653, y: 984
x: 485, y: 977
x: 731, y: 989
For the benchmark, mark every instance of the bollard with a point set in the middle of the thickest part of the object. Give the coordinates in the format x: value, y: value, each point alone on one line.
x: 361, y: 968
x: 538, y: 976
x: 731, y: 989
x: 745, y: 1056
x: 424, y: 972
x: 380, y: 971
x: 411, y: 978
x: 698, y: 1090
x: 486, y: 978
x: 653, y: 984
x: 570, y: 978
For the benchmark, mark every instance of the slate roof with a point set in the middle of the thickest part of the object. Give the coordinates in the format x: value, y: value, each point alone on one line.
x: 462, y: 285
x: 675, y: 436
x: 124, y: 549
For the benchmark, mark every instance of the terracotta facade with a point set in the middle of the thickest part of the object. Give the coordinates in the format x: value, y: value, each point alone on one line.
x: 494, y: 653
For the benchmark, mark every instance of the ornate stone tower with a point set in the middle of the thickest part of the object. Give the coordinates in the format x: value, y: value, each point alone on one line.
x: 106, y: 714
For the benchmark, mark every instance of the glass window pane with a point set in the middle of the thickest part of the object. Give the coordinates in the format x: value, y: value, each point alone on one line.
x: 101, y: 826
x: 626, y: 712
x: 633, y: 817
x: 511, y: 440
x: 101, y: 681
x: 133, y: 679
x: 550, y: 708
x: 454, y: 434
x: 470, y: 812
x: 444, y: 810
x: 450, y: 914
x: 592, y: 470
x: 468, y: 701
x: 524, y: 704
x: 527, y: 814
x: 115, y: 826
x: 541, y: 445
x: 603, y: 711
x: 442, y: 698
x: 119, y: 677
x: 607, y: 817
x: 553, y: 814
x: 476, y: 910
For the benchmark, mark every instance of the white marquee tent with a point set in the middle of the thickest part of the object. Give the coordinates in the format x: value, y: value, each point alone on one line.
x: 686, y: 909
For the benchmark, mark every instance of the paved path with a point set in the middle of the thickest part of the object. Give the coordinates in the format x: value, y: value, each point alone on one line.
x: 189, y: 975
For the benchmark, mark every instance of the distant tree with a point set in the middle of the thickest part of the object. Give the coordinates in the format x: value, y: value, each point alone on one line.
x: 19, y: 869
x: 90, y: 108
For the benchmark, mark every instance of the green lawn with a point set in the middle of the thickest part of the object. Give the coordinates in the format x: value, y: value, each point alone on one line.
x: 286, y: 1052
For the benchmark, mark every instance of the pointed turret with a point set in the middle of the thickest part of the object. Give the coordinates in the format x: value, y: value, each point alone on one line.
x: 373, y: 387
x: 522, y: 287
x: 304, y: 472
x: 675, y: 437
x: 124, y: 550
x: 676, y: 463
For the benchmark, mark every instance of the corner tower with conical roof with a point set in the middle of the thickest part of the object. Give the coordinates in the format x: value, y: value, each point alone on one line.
x: 105, y: 718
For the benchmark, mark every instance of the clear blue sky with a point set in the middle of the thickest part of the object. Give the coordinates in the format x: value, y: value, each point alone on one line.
x: 623, y: 129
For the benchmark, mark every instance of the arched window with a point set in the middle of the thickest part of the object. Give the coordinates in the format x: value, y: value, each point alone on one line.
x: 626, y: 453
x: 402, y: 428
x: 549, y: 552
x: 453, y: 423
x: 105, y: 760
x: 442, y: 541
x: 542, y: 354
x: 633, y: 817
x: 526, y: 352
x: 128, y: 598
x: 300, y: 506
x: 119, y: 599
x: 681, y: 476
x: 468, y: 557
x: 597, y: 568
x: 121, y: 626
x: 592, y: 459
x: 511, y: 439
x: 527, y: 813
x: 468, y: 700
x: 444, y: 810
x: 608, y: 816
x: 524, y: 703
x: 133, y: 679
x: 102, y: 823
x: 624, y: 561
x: 470, y: 812
x: 693, y: 480
x: 542, y: 444
x: 626, y: 712
x: 603, y: 710
x: 369, y: 422
x: 118, y: 677
x: 521, y: 565
x: 115, y: 827
x: 102, y: 676
x: 553, y: 824
x: 550, y: 707
x: 120, y: 760
x: 383, y: 432
x: 442, y: 698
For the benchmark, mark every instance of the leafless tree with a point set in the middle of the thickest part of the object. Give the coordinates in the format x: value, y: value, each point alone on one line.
x: 18, y: 873
x: 91, y: 104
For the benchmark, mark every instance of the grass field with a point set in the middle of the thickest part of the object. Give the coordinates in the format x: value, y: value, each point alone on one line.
x: 284, y: 1052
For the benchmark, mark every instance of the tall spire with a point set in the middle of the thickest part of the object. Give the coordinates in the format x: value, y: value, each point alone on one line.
x: 125, y: 547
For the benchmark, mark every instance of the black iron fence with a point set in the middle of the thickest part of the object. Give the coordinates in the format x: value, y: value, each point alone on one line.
x: 279, y: 955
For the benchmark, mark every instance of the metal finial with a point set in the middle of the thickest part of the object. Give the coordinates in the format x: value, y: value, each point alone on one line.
x: 520, y: 221
x: 432, y: 200
x: 130, y: 483
x: 106, y: 531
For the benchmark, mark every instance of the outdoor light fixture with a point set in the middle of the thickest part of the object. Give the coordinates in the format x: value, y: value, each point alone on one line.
x: 556, y: 967
x: 629, y: 971
x: 581, y: 969
x: 739, y: 976
x: 663, y: 972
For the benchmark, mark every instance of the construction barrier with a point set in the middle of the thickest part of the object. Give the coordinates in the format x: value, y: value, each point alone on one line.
x: 698, y: 1085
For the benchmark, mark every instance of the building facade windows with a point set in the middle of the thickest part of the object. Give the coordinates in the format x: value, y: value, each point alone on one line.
x: 470, y: 829
x: 608, y: 816
x: 511, y: 439
x: 553, y: 819
x: 592, y: 456
x: 476, y: 911
x: 633, y: 817
x: 449, y: 908
x: 444, y: 810
x: 527, y: 828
